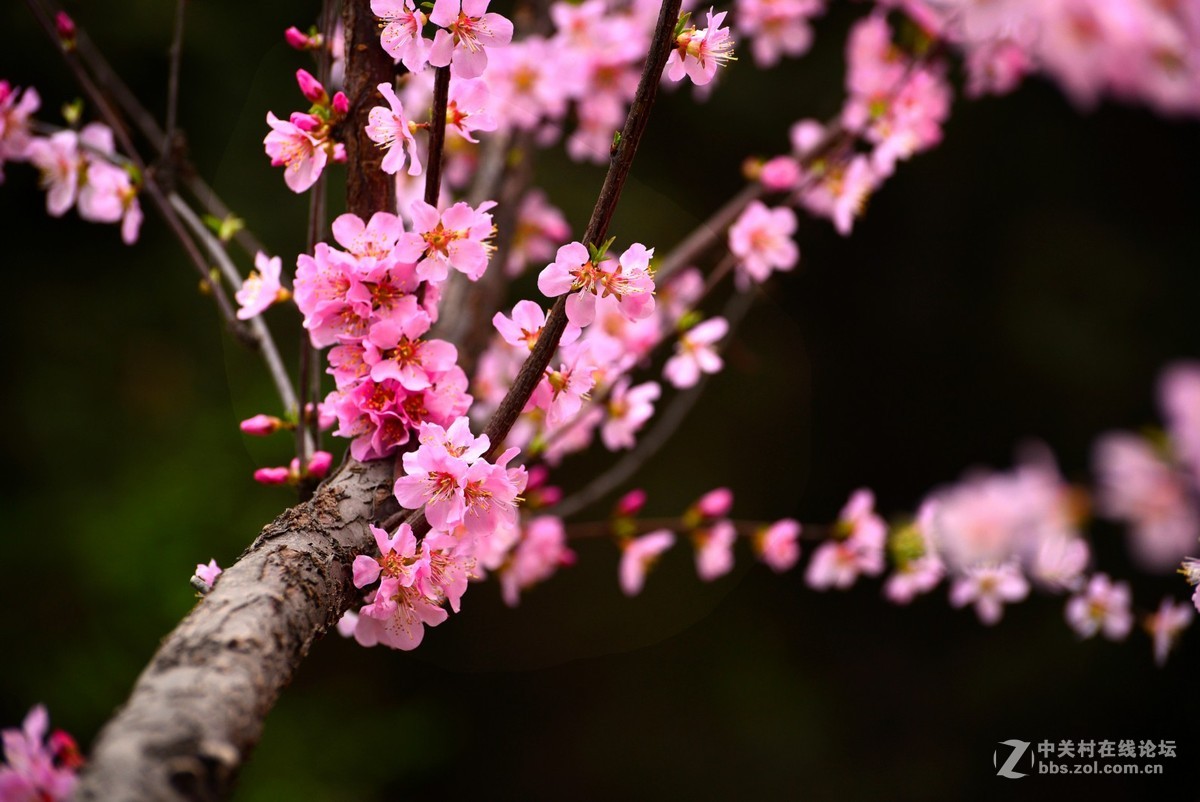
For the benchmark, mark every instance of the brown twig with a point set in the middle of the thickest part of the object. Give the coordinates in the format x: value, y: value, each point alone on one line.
x: 437, y: 135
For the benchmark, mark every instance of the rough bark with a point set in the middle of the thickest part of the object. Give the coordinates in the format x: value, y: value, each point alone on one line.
x: 198, y: 708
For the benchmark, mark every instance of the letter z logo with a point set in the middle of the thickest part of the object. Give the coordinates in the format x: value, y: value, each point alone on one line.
x: 1018, y: 749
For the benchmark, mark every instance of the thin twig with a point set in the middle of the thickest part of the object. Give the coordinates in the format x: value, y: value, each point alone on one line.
x: 263, y: 341
x: 176, y: 57
x: 640, y: 526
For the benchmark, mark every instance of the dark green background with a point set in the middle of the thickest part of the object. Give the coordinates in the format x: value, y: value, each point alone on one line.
x: 1027, y: 279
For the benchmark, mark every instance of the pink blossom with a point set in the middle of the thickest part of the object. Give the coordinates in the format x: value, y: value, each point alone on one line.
x: 1136, y: 486
x: 761, y: 239
x: 58, y: 159
x: 638, y: 557
x: 1166, y: 625
x: 561, y: 392
x: 389, y: 127
x: 206, y: 575
x: 1179, y: 399
x: 858, y: 548
x: 540, y: 552
x: 778, y: 27
x: 16, y: 107
x: 698, y: 53
x: 301, y: 156
x: 779, y: 545
x: 401, y: 35
x: 311, y: 88
x: 1102, y: 607
x: 714, y: 550
x: 541, y: 228
x: 628, y: 410
x: 574, y: 271
x: 298, y: 40
x: 989, y: 588
x: 469, y: 108
x: 374, y: 239
x: 36, y: 771
x: 261, y: 288
x: 467, y: 32
x: 913, y: 578
x: 395, y: 350
x: 842, y: 193
x: 695, y: 354
x: 433, y: 479
x: 457, y: 238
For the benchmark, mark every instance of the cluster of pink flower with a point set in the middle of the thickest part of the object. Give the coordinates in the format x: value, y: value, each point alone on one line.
x: 374, y: 302
x: 777, y: 27
x: 614, y: 323
x: 37, y: 769
x: 712, y: 534
x: 1152, y: 485
x: 78, y: 168
x: 303, y: 144
x: 1130, y: 49
x: 895, y: 107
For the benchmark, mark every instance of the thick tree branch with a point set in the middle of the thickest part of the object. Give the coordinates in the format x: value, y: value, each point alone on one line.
x: 198, y: 708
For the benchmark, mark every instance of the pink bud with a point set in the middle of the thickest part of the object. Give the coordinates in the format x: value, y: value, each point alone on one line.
x: 341, y: 103
x: 339, y: 152
x: 537, y: 477
x: 272, y: 476
x: 715, y: 503
x: 65, y: 27
x: 297, y: 39
x: 261, y: 425
x: 311, y: 87
x: 780, y: 174
x: 631, y: 503
x: 305, y: 122
x: 318, y: 464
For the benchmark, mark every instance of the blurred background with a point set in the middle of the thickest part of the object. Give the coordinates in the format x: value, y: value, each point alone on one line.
x: 1027, y: 279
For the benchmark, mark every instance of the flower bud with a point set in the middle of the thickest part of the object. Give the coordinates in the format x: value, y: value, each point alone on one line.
x: 311, y: 87
x: 261, y: 425
x: 318, y: 464
x: 341, y: 103
x: 780, y: 174
x: 272, y: 476
x: 298, y: 39
x: 715, y: 503
x: 65, y: 26
x: 631, y: 503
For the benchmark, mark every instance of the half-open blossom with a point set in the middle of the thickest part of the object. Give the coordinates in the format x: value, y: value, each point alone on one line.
x: 779, y: 545
x: 1101, y: 607
x: 1166, y: 625
x: 390, y: 129
x: 468, y: 29
x: 698, y: 53
x: 989, y: 588
x: 206, y: 575
x: 714, y: 550
x: 639, y: 555
x: 261, y: 288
